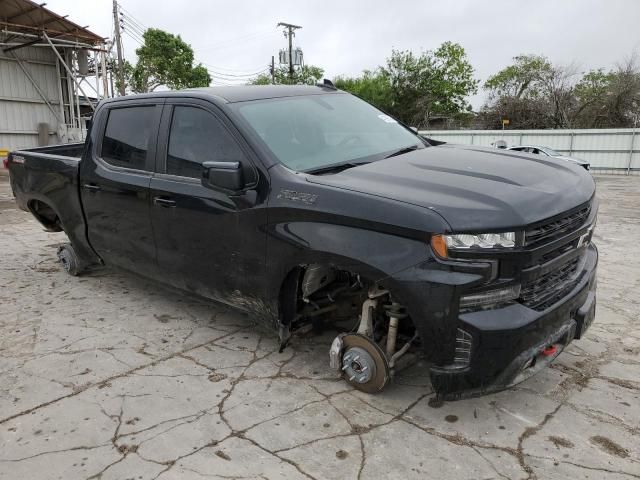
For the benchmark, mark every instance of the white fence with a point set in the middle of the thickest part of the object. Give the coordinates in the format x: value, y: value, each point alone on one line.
x: 612, y: 150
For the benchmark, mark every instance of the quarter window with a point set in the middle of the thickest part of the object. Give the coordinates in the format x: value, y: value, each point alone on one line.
x: 197, y: 137
x: 126, y: 138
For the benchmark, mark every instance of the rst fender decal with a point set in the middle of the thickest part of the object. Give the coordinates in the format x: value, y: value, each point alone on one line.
x: 302, y: 197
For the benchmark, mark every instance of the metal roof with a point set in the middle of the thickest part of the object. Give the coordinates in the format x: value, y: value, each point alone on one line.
x: 25, y: 16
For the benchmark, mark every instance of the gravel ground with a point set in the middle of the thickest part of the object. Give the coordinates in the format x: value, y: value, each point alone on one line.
x: 111, y: 376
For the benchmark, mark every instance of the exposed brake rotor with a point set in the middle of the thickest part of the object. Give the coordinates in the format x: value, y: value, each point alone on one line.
x: 364, y: 364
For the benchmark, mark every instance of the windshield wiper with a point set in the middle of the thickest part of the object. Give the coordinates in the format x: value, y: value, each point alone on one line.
x: 335, y: 168
x: 403, y: 150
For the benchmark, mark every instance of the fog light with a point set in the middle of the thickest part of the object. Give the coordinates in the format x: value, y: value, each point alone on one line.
x: 490, y: 297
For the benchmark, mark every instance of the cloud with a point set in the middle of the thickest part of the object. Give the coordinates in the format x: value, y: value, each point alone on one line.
x: 345, y: 37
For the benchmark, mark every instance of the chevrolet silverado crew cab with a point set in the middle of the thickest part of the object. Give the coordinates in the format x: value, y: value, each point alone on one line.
x: 305, y: 206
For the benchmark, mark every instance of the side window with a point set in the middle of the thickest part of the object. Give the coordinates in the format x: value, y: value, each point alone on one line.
x: 197, y: 137
x: 126, y: 138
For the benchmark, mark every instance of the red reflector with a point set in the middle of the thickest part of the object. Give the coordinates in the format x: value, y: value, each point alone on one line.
x: 5, y: 162
x: 550, y: 350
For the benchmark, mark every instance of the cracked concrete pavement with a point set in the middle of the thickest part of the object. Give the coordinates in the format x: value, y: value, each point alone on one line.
x: 109, y: 376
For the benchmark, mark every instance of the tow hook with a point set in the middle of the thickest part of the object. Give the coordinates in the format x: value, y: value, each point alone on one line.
x: 550, y: 351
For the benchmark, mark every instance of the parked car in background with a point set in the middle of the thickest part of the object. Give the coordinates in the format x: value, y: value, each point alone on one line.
x: 550, y: 152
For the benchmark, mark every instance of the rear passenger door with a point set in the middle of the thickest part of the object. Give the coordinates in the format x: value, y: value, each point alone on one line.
x: 114, y: 182
x: 209, y: 241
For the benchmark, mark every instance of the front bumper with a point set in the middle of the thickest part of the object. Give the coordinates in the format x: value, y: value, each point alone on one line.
x: 506, y: 345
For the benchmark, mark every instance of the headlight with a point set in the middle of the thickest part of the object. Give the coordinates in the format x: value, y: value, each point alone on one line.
x: 466, y: 241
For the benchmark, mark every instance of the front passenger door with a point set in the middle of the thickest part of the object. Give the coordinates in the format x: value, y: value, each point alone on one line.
x: 209, y: 241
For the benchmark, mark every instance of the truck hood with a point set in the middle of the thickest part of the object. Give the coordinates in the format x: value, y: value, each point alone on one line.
x: 472, y: 188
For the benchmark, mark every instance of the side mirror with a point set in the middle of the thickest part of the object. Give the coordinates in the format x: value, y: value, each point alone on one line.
x: 223, y: 175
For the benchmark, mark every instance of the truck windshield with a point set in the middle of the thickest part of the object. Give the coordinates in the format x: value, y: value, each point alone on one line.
x: 308, y: 133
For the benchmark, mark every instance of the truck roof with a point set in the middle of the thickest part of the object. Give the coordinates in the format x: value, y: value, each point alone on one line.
x: 241, y: 93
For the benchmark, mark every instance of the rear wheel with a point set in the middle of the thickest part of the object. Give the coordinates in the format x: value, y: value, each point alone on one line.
x: 364, y: 364
x: 69, y: 259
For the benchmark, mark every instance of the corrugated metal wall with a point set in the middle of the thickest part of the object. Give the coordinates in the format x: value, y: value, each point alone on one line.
x: 21, y: 106
x: 608, y: 150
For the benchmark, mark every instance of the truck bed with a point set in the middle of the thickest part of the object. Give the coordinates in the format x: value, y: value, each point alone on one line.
x: 45, y: 182
x: 64, y: 150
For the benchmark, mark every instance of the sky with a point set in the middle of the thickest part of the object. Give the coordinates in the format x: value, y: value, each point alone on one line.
x: 237, y: 38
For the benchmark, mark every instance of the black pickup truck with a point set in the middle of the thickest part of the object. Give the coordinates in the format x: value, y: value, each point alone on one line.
x: 308, y: 206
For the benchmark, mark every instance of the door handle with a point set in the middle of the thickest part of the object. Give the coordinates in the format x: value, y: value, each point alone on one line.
x: 92, y: 187
x: 164, y: 202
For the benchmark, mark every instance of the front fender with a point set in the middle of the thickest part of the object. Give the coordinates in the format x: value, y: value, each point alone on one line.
x: 374, y: 255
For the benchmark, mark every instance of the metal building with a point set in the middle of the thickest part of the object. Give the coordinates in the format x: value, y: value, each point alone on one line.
x: 52, y: 72
x: 608, y: 150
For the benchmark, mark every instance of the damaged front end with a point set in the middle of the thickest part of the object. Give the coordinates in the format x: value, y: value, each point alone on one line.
x: 364, y: 352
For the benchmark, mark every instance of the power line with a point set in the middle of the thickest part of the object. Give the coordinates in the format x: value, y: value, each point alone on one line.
x: 135, y: 29
x: 126, y: 23
x: 133, y: 18
x: 232, y: 70
x: 228, y: 76
x: 133, y: 37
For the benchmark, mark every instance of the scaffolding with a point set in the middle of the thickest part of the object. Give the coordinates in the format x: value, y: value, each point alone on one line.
x: 82, y: 68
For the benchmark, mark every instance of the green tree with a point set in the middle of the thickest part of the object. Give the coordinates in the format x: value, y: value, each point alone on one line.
x: 165, y: 60
x: 521, y: 79
x: 435, y: 83
x: 305, y: 75
x: 609, y: 99
x: 531, y: 93
x: 372, y: 86
x: 418, y: 88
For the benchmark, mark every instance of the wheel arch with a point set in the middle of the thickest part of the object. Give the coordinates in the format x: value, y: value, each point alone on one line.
x: 46, y: 214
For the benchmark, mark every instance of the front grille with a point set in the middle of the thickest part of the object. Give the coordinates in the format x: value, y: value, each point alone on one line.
x: 544, y: 291
x: 556, y: 227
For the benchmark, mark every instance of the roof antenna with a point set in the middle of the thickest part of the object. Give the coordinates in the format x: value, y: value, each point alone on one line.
x: 326, y: 83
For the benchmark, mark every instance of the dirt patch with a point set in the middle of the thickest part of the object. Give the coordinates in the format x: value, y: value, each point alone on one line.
x: 610, y: 446
x: 560, y: 442
x: 223, y: 455
x: 164, y: 318
x: 126, y: 449
x: 341, y: 454
x: 216, y: 377
x: 358, y: 429
x: 622, y: 383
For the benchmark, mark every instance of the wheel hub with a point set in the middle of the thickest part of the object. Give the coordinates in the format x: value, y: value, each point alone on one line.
x: 358, y: 366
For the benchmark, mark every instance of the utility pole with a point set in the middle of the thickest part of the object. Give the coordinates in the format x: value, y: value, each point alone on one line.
x: 116, y: 23
x: 273, y: 70
x: 290, y: 33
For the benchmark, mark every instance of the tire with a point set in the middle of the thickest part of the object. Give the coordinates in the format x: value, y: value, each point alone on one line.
x: 69, y: 260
